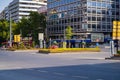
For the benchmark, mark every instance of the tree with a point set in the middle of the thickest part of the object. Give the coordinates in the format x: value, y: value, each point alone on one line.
x: 68, y: 34
x: 23, y: 27
x: 36, y: 23
x: 4, y: 29
x: 14, y: 27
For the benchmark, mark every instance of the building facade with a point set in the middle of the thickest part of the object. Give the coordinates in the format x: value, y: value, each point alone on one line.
x: 2, y: 15
x: 22, y: 8
x: 89, y: 19
x: 43, y: 10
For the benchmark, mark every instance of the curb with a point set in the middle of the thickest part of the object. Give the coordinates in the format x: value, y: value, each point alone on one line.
x: 26, y: 51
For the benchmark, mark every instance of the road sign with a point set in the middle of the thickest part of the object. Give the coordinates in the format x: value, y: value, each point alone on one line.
x: 40, y: 36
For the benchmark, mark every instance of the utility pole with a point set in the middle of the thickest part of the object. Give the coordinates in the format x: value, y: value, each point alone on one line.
x: 64, y: 34
x: 10, y: 44
x: 117, y: 37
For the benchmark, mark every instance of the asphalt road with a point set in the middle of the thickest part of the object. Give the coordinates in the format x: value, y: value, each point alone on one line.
x: 76, y: 66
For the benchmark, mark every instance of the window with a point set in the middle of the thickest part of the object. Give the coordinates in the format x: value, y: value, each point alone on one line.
x: 88, y: 4
x: 103, y: 27
x: 89, y: 25
x: 93, y: 18
x: 93, y: 3
x: 98, y: 4
x: 99, y: 11
x: 103, y: 11
x: 93, y: 25
x: 89, y: 18
x: 98, y: 18
x: 103, y: 19
x: 103, y: 4
x: 93, y: 11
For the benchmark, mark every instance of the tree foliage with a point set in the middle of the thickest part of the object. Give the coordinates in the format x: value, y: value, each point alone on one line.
x: 68, y: 32
x: 5, y: 29
x: 36, y: 23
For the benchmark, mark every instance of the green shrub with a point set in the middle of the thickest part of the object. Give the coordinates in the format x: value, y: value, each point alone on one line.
x: 118, y: 52
x: 28, y: 47
x: 21, y: 46
x: 33, y: 44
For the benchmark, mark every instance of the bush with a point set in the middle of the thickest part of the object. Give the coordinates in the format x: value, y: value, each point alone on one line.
x: 118, y: 52
x: 21, y: 46
x: 33, y: 44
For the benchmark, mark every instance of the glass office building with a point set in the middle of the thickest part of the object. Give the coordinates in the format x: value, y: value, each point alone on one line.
x: 89, y: 19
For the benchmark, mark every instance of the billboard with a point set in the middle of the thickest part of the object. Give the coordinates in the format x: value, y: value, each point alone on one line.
x: 97, y: 37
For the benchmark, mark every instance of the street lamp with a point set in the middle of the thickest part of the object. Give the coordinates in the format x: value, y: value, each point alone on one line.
x: 10, y: 44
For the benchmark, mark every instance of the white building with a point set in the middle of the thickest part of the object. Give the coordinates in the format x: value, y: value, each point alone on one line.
x: 42, y: 9
x: 22, y: 8
x: 2, y: 15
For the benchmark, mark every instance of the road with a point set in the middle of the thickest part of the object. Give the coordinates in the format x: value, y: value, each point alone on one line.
x: 69, y: 66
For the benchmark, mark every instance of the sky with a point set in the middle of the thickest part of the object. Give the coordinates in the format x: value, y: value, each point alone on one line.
x: 4, y: 3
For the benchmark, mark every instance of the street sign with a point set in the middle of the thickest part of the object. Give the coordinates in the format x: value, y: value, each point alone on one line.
x: 40, y: 36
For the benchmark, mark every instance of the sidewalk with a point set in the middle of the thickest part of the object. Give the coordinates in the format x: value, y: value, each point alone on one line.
x: 114, y: 58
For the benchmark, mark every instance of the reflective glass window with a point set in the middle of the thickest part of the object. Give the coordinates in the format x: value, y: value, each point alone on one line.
x: 98, y: 4
x: 103, y: 4
x: 93, y: 3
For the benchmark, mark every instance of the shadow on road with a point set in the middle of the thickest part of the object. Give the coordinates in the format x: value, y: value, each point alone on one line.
x: 106, y: 71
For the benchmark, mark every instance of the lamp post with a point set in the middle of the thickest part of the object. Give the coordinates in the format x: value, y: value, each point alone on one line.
x: 10, y: 44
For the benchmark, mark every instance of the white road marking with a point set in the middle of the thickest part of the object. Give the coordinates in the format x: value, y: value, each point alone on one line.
x: 42, y: 71
x: 83, y: 77
x: 30, y: 69
x: 99, y: 79
x: 59, y: 73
